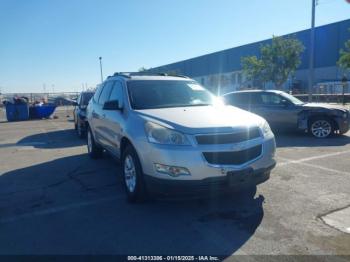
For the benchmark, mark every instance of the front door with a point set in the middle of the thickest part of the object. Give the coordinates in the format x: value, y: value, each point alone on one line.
x: 280, y: 113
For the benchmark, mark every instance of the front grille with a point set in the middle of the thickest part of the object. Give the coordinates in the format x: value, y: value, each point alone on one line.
x: 233, y: 158
x: 240, y: 136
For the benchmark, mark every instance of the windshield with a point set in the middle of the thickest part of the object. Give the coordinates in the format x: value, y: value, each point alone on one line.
x: 293, y: 99
x: 149, y: 94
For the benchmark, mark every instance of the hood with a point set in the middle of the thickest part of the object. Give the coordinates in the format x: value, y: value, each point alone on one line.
x: 202, y: 119
x: 324, y: 106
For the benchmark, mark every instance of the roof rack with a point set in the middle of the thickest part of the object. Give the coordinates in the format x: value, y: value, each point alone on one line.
x: 130, y: 74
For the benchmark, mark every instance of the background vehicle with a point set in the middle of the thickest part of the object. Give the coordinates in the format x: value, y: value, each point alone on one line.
x: 285, y: 112
x: 79, y: 113
x: 171, y: 134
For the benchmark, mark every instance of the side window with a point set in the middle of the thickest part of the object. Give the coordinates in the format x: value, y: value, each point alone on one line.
x: 230, y: 99
x: 97, y: 93
x: 255, y: 99
x: 79, y: 99
x: 239, y: 99
x: 117, y: 92
x: 105, y: 92
x: 244, y: 99
x: 270, y: 99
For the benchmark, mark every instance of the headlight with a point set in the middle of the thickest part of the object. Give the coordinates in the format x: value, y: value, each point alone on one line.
x: 161, y: 135
x: 345, y: 115
x: 266, y: 130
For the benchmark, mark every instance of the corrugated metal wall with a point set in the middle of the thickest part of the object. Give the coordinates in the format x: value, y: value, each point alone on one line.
x: 329, y: 39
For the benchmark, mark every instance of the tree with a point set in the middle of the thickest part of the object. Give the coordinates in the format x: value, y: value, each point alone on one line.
x: 344, y: 59
x: 277, y: 61
x: 142, y: 69
x: 254, y: 69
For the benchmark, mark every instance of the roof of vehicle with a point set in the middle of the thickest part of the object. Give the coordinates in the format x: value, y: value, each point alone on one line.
x: 147, y: 76
x: 255, y: 91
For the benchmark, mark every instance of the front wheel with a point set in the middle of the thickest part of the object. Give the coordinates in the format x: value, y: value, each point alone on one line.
x: 133, y: 176
x: 321, y: 127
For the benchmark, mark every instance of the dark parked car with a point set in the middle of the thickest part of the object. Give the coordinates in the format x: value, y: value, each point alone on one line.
x: 285, y: 112
x: 80, y: 113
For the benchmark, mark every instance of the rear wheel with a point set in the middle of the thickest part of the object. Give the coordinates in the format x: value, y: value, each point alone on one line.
x: 321, y: 127
x: 133, y: 176
x: 94, y: 150
x: 80, y: 131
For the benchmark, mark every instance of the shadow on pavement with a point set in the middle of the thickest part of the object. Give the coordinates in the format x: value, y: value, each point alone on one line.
x: 289, y: 139
x: 55, y: 139
x: 219, y: 225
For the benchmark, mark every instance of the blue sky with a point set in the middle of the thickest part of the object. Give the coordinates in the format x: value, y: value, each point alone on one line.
x: 58, y: 42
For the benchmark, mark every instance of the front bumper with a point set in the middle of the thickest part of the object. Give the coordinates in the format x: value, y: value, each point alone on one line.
x: 235, y: 180
x: 343, y: 124
x: 204, y: 174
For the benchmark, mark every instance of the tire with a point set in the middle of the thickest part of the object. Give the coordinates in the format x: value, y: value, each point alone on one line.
x: 321, y: 127
x: 133, y: 176
x: 94, y: 150
x: 80, y: 132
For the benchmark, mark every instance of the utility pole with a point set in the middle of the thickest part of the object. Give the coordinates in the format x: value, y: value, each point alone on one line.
x: 101, y: 68
x: 312, y: 50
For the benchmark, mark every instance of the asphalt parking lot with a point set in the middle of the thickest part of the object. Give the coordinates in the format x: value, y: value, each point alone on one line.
x: 55, y: 200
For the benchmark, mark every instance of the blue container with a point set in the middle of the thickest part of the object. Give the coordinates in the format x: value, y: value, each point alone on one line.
x: 17, y: 112
x: 43, y: 111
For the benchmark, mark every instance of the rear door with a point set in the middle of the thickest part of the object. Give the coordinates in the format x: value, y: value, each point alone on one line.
x: 92, y: 116
x: 114, y: 120
x: 100, y: 115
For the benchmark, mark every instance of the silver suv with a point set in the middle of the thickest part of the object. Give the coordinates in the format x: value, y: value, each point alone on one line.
x: 172, y: 135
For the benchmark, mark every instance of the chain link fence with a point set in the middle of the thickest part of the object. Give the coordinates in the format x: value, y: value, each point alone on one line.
x: 59, y: 98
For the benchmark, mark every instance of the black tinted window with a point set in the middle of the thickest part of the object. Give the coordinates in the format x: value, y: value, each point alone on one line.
x: 107, y: 88
x: 255, y: 98
x: 117, y: 92
x: 97, y: 93
x: 78, y: 99
x: 237, y: 99
x: 271, y: 99
x: 85, y: 98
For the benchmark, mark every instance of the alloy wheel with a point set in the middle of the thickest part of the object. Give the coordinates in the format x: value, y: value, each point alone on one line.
x: 130, y: 173
x: 89, y: 141
x: 321, y: 128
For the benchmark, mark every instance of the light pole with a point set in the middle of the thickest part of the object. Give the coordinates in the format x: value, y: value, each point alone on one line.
x: 312, y: 47
x: 344, y: 85
x: 101, y: 68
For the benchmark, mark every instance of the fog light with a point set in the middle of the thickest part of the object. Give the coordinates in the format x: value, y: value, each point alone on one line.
x: 173, y: 171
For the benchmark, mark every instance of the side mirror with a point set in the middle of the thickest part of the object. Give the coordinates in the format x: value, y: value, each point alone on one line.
x: 75, y: 103
x: 112, y: 105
